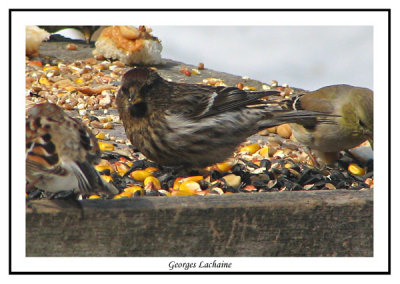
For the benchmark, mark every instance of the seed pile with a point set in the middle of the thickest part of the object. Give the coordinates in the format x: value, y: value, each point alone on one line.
x: 87, y: 88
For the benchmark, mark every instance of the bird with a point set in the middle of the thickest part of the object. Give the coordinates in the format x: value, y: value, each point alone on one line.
x: 87, y: 31
x: 353, y: 125
x: 191, y: 125
x: 60, y: 153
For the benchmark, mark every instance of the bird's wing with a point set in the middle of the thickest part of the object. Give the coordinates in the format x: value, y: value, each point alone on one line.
x: 197, y: 101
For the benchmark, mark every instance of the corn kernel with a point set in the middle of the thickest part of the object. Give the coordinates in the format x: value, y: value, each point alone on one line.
x: 224, y: 166
x: 69, y: 88
x: 106, y: 146
x: 44, y: 81
x: 94, y: 196
x: 195, y: 71
x: 193, y: 178
x: 101, y: 135
x: 249, y: 88
x: 152, y: 182
x: 264, y: 152
x: 232, y: 180
x: 369, y: 181
x: 177, y: 183
x: 101, y: 168
x: 121, y: 168
x: 140, y: 175
x: 108, y: 125
x: 107, y: 178
x: 251, y: 149
x: 123, y: 194
x: 46, y: 68
x: 151, y: 169
x: 134, y: 188
x: 356, y: 169
x: 190, y: 187
x: 79, y: 80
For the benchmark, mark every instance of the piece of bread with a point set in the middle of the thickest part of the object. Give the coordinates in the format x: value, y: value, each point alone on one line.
x: 129, y: 44
x: 33, y: 38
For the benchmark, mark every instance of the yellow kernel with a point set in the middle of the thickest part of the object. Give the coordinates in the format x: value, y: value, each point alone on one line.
x: 154, y: 181
x: 224, y: 166
x: 192, y: 178
x: 106, y: 146
x: 79, y: 80
x: 151, y: 169
x: 140, y: 175
x: 121, y: 168
x: 46, y: 68
x: 108, y: 125
x: 44, y: 81
x: 177, y: 183
x: 249, y: 88
x: 369, y: 181
x: 94, y: 196
x: 101, y: 168
x: 123, y: 194
x: 190, y: 187
x: 356, y: 169
x: 251, y: 149
x: 195, y: 72
x: 264, y: 152
x: 134, y: 188
x: 232, y: 180
x: 70, y: 89
x: 107, y: 178
x: 101, y: 135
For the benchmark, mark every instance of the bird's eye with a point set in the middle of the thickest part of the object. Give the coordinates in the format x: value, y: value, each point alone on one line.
x: 124, y: 90
x: 362, y: 124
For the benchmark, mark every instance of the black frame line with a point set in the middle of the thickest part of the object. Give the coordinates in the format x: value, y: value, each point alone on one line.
x: 196, y: 272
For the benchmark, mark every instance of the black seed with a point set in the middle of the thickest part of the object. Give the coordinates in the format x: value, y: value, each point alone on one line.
x: 233, y: 189
x: 265, y: 163
x: 37, y: 122
x: 215, y: 175
x: 93, y: 118
x: 203, y: 184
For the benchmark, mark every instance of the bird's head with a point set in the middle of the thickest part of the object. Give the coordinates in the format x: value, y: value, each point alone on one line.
x: 360, y: 114
x: 135, y: 84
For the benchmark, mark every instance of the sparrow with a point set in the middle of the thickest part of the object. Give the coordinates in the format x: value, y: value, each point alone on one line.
x: 353, y: 123
x: 191, y: 125
x: 60, y: 153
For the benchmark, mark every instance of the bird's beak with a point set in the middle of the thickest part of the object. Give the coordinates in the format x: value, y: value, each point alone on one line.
x: 133, y: 98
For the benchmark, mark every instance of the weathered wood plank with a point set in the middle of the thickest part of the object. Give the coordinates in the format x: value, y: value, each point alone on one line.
x: 317, y: 223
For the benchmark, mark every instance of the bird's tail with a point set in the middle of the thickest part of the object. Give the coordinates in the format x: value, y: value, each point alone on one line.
x: 304, y: 117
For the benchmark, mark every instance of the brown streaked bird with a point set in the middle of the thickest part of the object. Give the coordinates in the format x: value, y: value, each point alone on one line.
x: 192, y: 125
x: 60, y: 152
x: 353, y: 125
